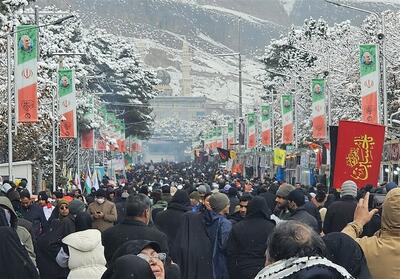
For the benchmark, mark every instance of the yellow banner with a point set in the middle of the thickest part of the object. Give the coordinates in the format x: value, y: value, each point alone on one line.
x: 279, y: 157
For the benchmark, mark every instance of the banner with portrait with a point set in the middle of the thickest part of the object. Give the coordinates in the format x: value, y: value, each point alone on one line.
x: 266, y: 125
x: 67, y: 103
x: 231, y: 134
x: 251, y: 130
x: 26, y: 51
x: 369, y: 76
x: 359, y: 153
x: 87, y: 139
x: 319, y: 129
x: 287, y: 119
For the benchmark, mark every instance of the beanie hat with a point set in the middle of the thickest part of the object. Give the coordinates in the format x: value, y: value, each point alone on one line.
x: 390, y: 186
x: 226, y: 188
x: 60, y: 202
x: 202, y: 189
x: 101, y: 193
x: 76, y: 206
x: 349, y: 188
x: 218, y: 202
x: 195, y: 196
x: 43, y: 196
x: 297, y: 196
x: 5, y: 187
x: 284, y: 190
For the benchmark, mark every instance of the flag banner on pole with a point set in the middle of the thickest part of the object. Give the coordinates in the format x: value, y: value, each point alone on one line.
x: 359, y: 153
x: 224, y: 154
x: 88, y: 181
x: 101, y: 144
x: 87, y: 139
x: 26, y: 99
x: 251, y: 130
x: 231, y: 134
x: 95, y: 180
x: 287, y: 119
x: 319, y: 129
x: 266, y: 124
x: 67, y: 103
x: 369, y: 76
x: 279, y: 157
x: 77, y: 181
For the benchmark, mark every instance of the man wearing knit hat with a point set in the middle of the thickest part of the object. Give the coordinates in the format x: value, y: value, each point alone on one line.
x: 281, y: 201
x: 218, y: 229
x: 341, y: 212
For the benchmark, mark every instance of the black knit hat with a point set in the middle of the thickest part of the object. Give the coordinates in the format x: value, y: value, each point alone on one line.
x: 297, y: 196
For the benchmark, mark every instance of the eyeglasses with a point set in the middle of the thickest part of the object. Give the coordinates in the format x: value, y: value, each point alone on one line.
x: 160, y: 256
x: 63, y: 207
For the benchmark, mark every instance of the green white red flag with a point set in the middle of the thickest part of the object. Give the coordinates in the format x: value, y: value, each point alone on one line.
x: 26, y: 53
x: 67, y: 103
x: 251, y: 130
x: 287, y: 119
x: 369, y: 75
x: 319, y: 129
x: 266, y: 124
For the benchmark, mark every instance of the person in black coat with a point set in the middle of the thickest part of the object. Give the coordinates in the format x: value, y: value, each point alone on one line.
x: 169, y: 220
x: 296, y: 202
x: 248, y: 241
x: 312, y: 209
x: 134, y: 227
x: 270, y: 196
x: 341, y: 212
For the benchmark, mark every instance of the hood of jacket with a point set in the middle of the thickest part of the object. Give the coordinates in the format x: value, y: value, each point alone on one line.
x: 84, y: 241
x: 391, y: 212
x: 6, y: 203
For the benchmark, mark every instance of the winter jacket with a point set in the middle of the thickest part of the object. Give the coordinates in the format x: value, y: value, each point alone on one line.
x: 86, y: 254
x: 301, y: 215
x: 35, y: 214
x: 304, y: 268
x: 218, y: 229
x: 313, y: 211
x: 339, y: 214
x: 382, y: 250
x: 110, y: 215
x: 131, y: 230
x: 160, y: 206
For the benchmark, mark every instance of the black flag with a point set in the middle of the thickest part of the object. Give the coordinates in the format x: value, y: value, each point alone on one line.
x: 223, y: 154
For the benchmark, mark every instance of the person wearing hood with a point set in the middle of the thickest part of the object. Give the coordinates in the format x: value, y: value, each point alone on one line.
x: 120, y: 205
x: 218, y: 229
x: 8, y: 218
x: 344, y: 251
x: 103, y: 212
x: 233, y: 199
x: 169, y: 220
x: 15, y: 262
x: 83, y: 254
x: 296, y: 202
x: 132, y: 267
x: 247, y: 241
x: 296, y: 251
x: 83, y: 220
x: 380, y: 250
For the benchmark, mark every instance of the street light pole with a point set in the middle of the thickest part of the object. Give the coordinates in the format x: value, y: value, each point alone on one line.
x: 10, y: 150
x: 381, y: 18
x: 240, y: 87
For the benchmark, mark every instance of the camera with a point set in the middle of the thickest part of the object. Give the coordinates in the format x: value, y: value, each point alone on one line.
x: 381, y: 36
x: 326, y: 73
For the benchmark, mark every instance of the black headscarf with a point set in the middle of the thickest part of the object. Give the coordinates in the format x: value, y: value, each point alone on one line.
x: 14, y: 259
x: 344, y: 251
x: 180, y: 201
x: 257, y: 207
x: 131, y: 247
x: 132, y: 267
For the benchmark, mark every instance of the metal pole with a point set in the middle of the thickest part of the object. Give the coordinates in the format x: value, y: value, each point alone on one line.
x: 38, y: 30
x: 385, y: 97
x: 10, y: 150
x: 272, y: 121
x: 240, y: 87
x: 77, y: 152
x: 94, y: 140
x: 54, y: 139
x: 296, y: 144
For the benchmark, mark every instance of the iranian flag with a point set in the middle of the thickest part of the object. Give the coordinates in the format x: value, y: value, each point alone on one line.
x: 87, y: 139
x: 318, y: 109
x: 26, y: 52
x: 369, y: 72
x: 67, y: 103
x: 231, y: 134
x: 287, y: 119
x: 251, y: 130
x: 266, y: 124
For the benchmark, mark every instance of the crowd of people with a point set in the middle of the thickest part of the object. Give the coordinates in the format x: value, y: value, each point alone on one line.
x: 197, y: 221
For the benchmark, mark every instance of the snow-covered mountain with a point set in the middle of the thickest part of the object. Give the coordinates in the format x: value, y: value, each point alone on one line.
x: 158, y: 27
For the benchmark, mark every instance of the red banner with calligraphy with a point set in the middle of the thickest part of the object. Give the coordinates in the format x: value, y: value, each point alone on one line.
x: 358, y: 153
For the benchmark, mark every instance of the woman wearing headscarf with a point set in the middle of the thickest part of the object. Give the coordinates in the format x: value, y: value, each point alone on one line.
x: 344, y: 251
x: 50, y: 243
x: 248, y: 241
x: 132, y: 267
x: 14, y: 259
